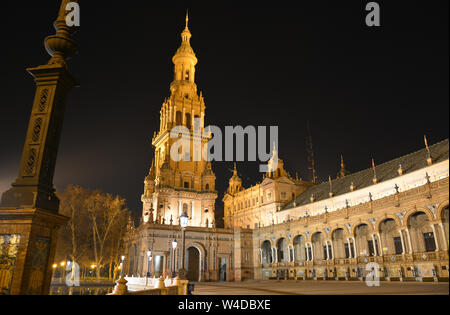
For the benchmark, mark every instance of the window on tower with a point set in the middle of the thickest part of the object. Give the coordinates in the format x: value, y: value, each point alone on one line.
x: 186, y: 76
x: 178, y: 118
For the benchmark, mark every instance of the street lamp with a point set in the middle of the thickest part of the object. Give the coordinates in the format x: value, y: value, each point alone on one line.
x: 149, y: 256
x: 174, y: 247
x: 122, y: 258
x: 184, y: 218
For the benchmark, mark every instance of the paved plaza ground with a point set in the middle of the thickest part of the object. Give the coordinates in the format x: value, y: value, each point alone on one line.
x: 274, y: 287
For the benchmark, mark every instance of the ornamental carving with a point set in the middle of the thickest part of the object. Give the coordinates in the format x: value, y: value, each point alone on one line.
x: 433, y: 209
x: 401, y: 216
x: 43, y: 100
x: 29, y: 167
x: 37, y: 129
x: 373, y: 221
x: 349, y: 226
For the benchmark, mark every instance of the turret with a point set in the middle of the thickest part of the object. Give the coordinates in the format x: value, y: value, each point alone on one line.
x: 235, y: 183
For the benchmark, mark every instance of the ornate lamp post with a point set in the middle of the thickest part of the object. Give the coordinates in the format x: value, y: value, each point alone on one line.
x: 29, y: 217
x: 183, y: 222
x: 174, y: 248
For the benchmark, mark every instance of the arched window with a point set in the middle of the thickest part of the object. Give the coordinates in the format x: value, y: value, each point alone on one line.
x: 188, y: 121
x: 178, y: 118
x: 207, y: 187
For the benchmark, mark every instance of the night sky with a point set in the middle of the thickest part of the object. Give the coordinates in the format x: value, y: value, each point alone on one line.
x: 367, y: 92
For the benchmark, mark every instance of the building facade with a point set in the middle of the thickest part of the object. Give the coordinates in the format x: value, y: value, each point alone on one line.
x: 392, y: 218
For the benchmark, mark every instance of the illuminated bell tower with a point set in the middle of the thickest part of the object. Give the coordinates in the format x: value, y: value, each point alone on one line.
x: 174, y: 187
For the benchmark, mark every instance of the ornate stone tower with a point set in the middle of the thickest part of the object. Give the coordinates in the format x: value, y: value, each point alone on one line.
x: 29, y: 217
x: 173, y: 187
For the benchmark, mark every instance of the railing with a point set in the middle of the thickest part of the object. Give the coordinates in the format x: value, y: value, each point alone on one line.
x: 150, y: 286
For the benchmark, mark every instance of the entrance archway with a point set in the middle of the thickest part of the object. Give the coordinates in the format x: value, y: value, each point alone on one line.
x: 193, y: 264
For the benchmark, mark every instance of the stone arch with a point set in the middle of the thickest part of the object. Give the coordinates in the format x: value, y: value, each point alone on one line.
x: 317, y: 240
x: 386, y: 217
x: 420, y: 226
x: 282, y: 245
x: 266, y: 252
x: 415, y: 210
x: 299, y: 247
x: 268, y: 240
x: 440, y: 210
x: 299, y: 234
x: 363, y: 222
x: 363, y: 241
x: 390, y: 235
x: 347, y: 234
x: 338, y: 244
x: 202, y: 254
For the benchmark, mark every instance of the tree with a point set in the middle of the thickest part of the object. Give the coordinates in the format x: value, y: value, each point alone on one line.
x: 107, y: 213
x: 95, y: 230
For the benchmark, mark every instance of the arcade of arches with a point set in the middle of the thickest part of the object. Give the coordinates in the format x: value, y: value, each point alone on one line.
x: 413, y: 246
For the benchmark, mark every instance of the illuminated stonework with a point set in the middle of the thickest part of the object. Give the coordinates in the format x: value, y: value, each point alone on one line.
x: 394, y: 214
x: 171, y: 187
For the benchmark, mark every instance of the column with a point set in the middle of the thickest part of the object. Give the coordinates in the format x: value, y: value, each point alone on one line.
x: 349, y: 248
x: 354, y: 247
x: 403, y: 242
x: 381, y: 244
x: 409, y: 240
x: 328, y: 252
x: 435, y: 237
x: 444, y: 236
x: 375, y: 249
x: 261, y: 255
x: 312, y: 251
x: 307, y: 251
x: 332, y: 249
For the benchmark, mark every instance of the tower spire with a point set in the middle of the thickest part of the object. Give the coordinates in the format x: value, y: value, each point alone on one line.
x: 187, y: 19
x: 343, y: 171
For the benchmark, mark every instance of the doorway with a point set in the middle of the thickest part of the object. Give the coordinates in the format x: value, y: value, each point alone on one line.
x: 223, y: 269
x: 193, y: 264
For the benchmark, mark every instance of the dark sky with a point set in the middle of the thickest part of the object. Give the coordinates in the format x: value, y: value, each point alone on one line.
x: 367, y: 92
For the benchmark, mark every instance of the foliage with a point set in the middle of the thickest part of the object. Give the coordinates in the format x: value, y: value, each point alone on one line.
x: 94, y: 234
